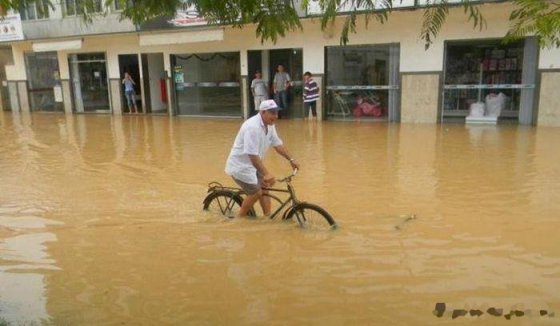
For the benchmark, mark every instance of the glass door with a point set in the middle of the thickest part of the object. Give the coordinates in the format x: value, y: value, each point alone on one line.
x: 88, y: 72
x: 363, y: 82
x: 42, y: 75
x: 207, y: 84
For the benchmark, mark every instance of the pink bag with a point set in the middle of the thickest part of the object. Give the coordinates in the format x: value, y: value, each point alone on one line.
x: 366, y: 108
x: 357, y: 112
x: 371, y: 109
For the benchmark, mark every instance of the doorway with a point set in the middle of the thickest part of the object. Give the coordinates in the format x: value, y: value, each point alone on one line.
x: 255, y: 63
x: 292, y: 60
x: 88, y: 72
x: 267, y: 62
x: 6, y: 58
x: 42, y: 73
x: 129, y: 63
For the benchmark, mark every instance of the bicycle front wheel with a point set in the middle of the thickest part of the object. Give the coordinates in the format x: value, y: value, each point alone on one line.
x: 311, y: 216
x: 224, y: 202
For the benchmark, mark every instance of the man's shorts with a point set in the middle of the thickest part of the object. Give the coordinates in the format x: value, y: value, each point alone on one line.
x: 250, y: 188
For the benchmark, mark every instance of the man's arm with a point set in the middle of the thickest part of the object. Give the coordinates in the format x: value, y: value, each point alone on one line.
x: 268, y: 179
x: 282, y: 150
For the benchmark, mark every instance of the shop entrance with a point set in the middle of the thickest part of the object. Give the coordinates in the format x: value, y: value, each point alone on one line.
x: 207, y: 84
x: 129, y: 63
x: 267, y: 62
x: 88, y: 72
x: 154, y: 83
x: 43, y: 76
x: 499, y: 78
x: 5, y: 59
x: 363, y: 82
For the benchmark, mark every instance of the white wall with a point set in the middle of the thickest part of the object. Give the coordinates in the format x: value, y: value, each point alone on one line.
x: 155, y: 70
x: 549, y: 58
x: 17, y: 70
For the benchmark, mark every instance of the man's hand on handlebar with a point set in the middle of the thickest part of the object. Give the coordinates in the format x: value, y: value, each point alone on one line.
x: 268, y: 180
x: 294, y: 163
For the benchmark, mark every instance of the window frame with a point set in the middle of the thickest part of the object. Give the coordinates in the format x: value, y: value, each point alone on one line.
x: 78, y: 4
x: 129, y: 3
x: 33, y: 6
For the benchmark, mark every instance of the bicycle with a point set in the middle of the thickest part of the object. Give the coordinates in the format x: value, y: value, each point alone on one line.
x: 228, y: 200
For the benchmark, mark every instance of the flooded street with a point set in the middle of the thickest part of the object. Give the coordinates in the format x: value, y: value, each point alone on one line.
x: 101, y: 223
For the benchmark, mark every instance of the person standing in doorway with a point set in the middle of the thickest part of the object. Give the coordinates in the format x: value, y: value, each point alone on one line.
x: 259, y: 89
x: 280, y: 87
x: 310, y: 95
x: 129, y: 93
x: 245, y: 161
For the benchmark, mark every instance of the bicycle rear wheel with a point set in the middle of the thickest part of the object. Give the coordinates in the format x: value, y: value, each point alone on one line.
x: 311, y: 216
x: 224, y: 202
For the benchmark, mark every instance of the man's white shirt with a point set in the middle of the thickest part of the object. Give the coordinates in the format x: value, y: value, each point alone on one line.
x: 250, y: 140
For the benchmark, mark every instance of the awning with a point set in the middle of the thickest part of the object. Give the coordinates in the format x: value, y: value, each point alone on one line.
x: 56, y: 46
x: 183, y: 37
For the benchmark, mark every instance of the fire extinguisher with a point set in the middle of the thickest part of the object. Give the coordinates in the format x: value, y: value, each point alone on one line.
x: 163, y: 90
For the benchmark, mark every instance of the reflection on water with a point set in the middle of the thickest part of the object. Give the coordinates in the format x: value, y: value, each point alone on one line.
x: 101, y: 223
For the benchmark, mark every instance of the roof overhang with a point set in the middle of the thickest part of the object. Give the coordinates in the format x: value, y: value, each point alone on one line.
x: 182, y: 37
x: 57, y: 46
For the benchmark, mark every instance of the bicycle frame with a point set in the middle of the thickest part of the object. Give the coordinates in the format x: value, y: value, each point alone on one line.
x: 290, y: 201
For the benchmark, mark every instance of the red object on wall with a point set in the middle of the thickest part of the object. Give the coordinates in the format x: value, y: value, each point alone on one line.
x: 163, y: 90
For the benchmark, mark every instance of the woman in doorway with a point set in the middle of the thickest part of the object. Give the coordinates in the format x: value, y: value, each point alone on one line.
x: 129, y: 92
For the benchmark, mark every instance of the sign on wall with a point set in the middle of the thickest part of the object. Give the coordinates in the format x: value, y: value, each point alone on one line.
x: 187, y: 15
x: 179, y: 78
x: 10, y: 28
x: 314, y: 8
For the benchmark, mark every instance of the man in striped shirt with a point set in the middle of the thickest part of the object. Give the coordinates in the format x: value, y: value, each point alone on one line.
x: 310, y: 95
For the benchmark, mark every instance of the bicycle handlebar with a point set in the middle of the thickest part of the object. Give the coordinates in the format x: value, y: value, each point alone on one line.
x: 289, y: 178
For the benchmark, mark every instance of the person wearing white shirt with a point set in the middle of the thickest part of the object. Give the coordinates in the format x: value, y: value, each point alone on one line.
x: 245, y: 162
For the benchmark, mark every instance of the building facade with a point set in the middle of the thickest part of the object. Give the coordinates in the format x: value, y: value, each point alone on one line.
x: 182, y: 66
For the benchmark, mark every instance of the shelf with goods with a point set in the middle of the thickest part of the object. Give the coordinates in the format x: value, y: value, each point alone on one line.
x: 492, y: 66
x: 474, y: 72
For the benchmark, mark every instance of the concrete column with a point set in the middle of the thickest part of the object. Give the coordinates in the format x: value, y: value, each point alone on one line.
x: 420, y: 97
x: 115, y: 91
x: 265, y: 64
x: 549, y: 111
x: 170, y: 95
x: 14, y: 97
x: 66, y: 96
x: 245, y: 97
x: 23, y: 96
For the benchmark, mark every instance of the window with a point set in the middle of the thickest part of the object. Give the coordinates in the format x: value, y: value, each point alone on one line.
x: 362, y: 81
x: 123, y: 4
x: 76, y: 7
x: 475, y: 70
x: 42, y: 74
x: 31, y: 10
x: 208, y: 84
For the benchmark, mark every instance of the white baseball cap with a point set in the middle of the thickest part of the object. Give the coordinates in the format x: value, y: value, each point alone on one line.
x: 268, y: 105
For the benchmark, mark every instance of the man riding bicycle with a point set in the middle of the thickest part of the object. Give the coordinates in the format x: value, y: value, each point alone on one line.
x: 245, y: 162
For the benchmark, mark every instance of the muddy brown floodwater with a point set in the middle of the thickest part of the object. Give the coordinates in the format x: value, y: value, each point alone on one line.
x: 101, y: 223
